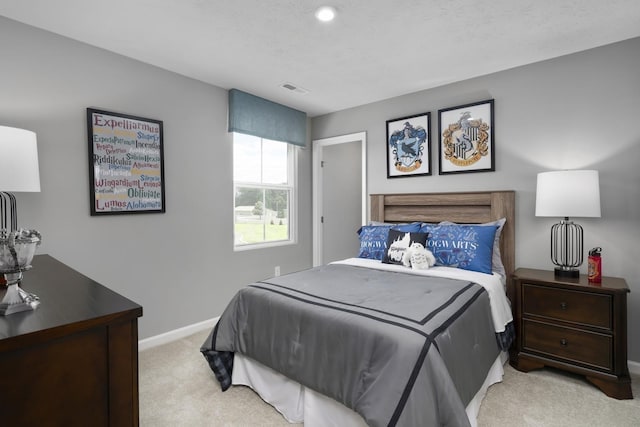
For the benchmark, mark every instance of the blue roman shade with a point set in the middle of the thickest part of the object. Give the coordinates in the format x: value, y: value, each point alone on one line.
x: 252, y: 115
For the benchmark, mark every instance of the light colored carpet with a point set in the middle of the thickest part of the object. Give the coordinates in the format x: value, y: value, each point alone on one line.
x: 177, y: 388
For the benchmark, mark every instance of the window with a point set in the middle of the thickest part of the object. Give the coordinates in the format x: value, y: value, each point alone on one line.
x: 263, y: 180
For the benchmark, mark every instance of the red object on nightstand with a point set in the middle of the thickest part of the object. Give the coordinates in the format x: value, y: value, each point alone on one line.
x: 595, y: 266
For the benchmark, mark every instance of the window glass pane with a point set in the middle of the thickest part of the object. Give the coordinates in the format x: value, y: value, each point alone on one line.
x: 277, y: 214
x: 249, y: 215
x: 274, y: 162
x: 246, y: 158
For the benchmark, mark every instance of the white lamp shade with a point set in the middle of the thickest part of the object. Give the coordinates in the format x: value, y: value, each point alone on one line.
x: 18, y: 160
x: 571, y: 193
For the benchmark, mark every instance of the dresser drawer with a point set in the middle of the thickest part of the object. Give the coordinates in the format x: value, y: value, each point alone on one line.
x: 570, y: 344
x: 583, y: 308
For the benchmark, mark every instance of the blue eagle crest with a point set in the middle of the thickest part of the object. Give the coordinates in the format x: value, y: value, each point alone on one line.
x: 408, y: 144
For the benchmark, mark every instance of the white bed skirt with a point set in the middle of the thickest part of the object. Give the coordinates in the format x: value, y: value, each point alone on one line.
x: 299, y: 404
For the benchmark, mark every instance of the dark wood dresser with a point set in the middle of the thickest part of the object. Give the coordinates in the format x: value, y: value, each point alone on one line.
x: 573, y: 325
x: 74, y: 360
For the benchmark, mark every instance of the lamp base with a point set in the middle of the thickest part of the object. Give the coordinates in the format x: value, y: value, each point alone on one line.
x: 7, y: 309
x: 16, y: 299
x: 567, y: 273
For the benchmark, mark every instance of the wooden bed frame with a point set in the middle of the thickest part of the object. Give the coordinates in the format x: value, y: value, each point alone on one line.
x: 469, y: 207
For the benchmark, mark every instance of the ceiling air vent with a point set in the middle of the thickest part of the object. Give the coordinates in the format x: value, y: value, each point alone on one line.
x: 294, y: 88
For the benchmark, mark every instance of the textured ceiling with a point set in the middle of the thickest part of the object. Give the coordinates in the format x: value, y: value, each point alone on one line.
x: 373, y: 50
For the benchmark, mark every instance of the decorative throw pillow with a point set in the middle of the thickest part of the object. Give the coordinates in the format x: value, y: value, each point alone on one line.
x: 373, y: 238
x: 496, y: 258
x: 398, y: 242
x: 469, y: 247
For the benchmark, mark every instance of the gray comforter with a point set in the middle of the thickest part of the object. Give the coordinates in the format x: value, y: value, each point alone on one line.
x: 396, y: 348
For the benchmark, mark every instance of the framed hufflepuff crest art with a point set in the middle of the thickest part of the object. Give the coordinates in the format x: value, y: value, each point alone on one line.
x: 466, y: 142
x: 409, y: 146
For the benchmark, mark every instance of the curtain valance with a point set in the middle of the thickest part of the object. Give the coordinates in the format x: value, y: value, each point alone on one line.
x: 252, y: 115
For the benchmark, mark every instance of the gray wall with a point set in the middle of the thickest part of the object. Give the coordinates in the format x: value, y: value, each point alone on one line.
x: 576, y: 111
x: 180, y: 266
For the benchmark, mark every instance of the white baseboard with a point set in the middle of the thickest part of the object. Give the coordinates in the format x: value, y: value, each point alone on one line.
x: 176, y: 334
x: 634, y: 367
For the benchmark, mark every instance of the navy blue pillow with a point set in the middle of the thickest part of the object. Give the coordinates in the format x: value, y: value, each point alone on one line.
x: 496, y: 264
x: 469, y: 247
x: 398, y: 242
x: 373, y: 238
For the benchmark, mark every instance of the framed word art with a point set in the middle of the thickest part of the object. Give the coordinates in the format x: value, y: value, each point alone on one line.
x: 125, y: 163
x: 466, y: 138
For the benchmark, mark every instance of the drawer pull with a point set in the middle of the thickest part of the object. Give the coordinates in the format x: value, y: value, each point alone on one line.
x: 563, y: 305
x: 564, y: 342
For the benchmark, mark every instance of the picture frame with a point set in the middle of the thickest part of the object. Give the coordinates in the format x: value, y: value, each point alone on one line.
x: 466, y: 138
x: 409, y: 146
x: 126, y: 163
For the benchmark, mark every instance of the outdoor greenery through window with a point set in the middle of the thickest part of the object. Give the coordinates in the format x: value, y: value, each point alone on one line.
x: 263, y: 191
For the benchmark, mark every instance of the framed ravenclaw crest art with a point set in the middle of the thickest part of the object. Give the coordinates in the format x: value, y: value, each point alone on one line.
x: 409, y: 146
x: 466, y: 138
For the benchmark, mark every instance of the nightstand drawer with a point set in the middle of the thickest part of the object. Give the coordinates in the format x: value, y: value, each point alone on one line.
x: 570, y: 344
x: 583, y: 308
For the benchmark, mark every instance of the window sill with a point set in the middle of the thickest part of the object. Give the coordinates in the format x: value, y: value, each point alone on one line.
x: 248, y: 247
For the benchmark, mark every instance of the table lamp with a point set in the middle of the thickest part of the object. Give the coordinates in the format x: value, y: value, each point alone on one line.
x: 18, y: 173
x: 568, y: 193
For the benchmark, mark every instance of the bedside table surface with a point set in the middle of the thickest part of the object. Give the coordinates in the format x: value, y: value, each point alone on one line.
x: 548, y: 276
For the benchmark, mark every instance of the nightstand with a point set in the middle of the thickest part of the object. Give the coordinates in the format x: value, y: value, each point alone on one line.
x: 574, y: 325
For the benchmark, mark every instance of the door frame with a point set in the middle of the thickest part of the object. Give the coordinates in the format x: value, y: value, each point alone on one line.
x: 318, y: 146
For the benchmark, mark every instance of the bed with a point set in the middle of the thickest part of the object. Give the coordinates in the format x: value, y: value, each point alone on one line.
x: 362, y: 342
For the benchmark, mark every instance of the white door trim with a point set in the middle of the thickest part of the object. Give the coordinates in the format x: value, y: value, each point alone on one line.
x: 318, y: 145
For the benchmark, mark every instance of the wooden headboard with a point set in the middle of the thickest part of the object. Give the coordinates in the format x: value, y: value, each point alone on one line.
x: 470, y: 207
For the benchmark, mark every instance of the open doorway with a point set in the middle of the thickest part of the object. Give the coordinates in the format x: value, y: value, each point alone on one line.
x: 339, y: 196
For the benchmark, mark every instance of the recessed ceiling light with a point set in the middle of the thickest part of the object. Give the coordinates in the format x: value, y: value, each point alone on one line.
x: 325, y: 13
